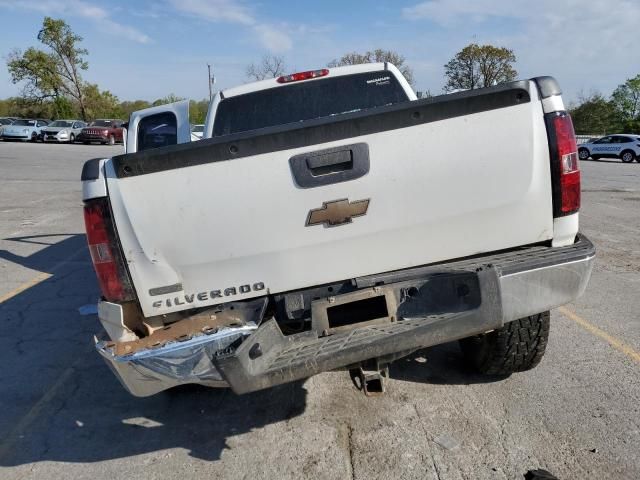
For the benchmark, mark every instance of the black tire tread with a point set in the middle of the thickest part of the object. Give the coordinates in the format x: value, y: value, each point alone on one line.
x: 516, y: 347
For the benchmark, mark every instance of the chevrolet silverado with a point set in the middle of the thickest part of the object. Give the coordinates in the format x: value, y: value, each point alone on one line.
x: 331, y: 220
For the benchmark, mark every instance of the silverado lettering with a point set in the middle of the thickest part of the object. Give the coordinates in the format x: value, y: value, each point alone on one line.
x: 204, y: 296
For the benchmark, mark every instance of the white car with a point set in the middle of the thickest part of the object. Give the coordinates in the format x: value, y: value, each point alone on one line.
x: 196, y: 132
x: 624, y: 147
x: 62, y: 131
x: 25, y: 129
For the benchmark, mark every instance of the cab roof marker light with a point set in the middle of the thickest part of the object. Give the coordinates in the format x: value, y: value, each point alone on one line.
x: 296, y: 77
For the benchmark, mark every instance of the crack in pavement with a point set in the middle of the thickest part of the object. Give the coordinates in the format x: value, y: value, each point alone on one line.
x: 10, y: 440
x: 426, y: 435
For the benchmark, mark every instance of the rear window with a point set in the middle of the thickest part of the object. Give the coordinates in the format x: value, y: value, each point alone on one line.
x: 306, y: 101
x: 25, y: 123
x: 157, y: 130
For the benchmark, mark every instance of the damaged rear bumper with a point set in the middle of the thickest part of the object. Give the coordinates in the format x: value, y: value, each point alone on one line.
x: 425, y: 306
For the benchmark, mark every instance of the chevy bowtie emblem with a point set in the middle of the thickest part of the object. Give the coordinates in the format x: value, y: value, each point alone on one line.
x: 337, y: 212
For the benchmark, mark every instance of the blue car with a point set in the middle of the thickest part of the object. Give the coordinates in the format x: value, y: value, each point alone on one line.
x: 24, y: 129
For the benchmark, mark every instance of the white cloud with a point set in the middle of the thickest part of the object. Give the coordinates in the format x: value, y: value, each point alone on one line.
x: 580, y: 42
x: 125, y: 31
x: 215, y: 10
x: 273, y: 39
x: 446, y: 11
x: 78, y: 8
x: 270, y: 37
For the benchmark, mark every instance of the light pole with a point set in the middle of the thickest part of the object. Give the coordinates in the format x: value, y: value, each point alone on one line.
x: 210, y: 82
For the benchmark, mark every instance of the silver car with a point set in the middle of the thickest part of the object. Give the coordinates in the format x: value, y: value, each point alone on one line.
x: 24, y: 129
x: 62, y: 131
x: 5, y: 121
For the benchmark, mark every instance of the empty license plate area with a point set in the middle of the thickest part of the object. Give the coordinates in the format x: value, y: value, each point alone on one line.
x: 436, y: 294
x: 370, y: 306
x: 373, y: 308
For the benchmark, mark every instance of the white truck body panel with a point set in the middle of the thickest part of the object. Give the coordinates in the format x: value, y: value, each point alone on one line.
x: 438, y: 191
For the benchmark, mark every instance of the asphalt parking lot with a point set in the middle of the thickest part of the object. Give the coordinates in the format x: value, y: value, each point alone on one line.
x: 64, y: 415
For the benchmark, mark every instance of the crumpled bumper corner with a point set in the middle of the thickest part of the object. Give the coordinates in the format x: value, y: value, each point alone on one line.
x: 163, y: 363
x: 148, y: 372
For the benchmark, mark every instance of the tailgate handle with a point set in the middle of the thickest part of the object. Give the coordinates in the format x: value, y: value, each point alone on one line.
x: 331, y: 165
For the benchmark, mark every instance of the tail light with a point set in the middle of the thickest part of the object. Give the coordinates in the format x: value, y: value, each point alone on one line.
x: 108, y: 262
x: 565, y: 170
x: 296, y: 77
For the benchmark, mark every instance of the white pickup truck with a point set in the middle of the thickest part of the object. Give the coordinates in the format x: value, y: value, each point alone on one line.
x: 330, y: 220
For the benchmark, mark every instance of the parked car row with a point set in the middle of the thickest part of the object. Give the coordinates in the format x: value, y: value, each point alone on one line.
x: 104, y: 131
x: 624, y: 147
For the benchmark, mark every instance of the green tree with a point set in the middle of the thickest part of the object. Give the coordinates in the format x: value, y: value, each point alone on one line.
x: 171, y: 98
x: 594, y: 115
x: 26, y: 107
x: 53, y: 73
x: 626, y: 99
x: 479, y: 66
x: 128, y: 107
x: 101, y: 103
x: 61, y: 107
x: 198, y: 111
x: 377, y: 55
x: 270, y: 66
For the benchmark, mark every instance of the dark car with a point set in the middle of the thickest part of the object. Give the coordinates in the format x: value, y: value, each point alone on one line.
x: 105, y: 131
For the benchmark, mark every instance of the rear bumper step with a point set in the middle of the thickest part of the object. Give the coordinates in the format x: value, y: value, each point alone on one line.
x: 425, y: 306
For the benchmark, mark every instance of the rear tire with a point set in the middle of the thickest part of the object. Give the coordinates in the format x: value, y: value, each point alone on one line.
x: 516, y: 347
x: 627, y: 156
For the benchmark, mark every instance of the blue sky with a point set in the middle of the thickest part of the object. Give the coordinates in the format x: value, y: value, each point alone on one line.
x: 141, y: 49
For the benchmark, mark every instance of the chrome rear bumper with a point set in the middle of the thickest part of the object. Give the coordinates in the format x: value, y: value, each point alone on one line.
x: 503, y: 287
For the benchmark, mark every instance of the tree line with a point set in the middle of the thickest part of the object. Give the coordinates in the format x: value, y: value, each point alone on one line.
x: 100, y: 104
x: 595, y: 114
x: 53, y: 86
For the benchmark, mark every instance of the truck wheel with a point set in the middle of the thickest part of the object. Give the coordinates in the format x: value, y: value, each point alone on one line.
x: 112, y: 140
x: 583, y: 153
x: 627, y: 156
x: 515, y: 347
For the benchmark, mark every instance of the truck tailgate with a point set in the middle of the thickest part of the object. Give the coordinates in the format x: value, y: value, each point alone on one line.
x: 226, y: 219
